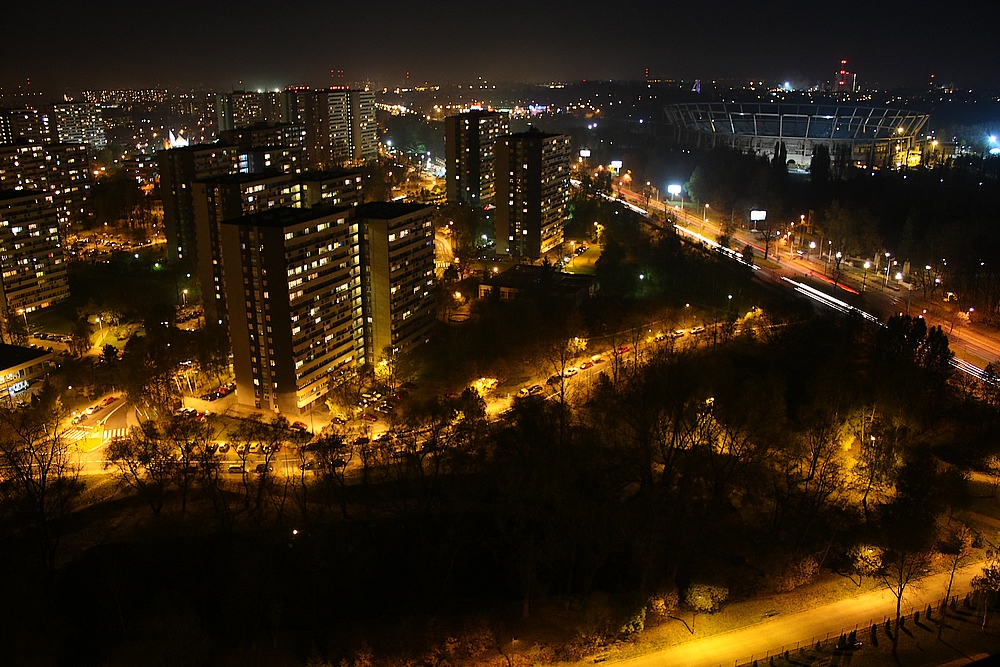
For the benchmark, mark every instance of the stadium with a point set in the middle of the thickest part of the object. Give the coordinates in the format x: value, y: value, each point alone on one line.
x: 859, y: 136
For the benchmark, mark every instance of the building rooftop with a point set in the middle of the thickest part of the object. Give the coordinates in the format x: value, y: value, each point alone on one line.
x: 247, y: 178
x: 385, y: 210
x: 18, y: 194
x: 198, y: 148
x: 12, y: 356
x: 545, y: 280
x: 286, y: 216
x: 328, y: 175
x: 535, y: 134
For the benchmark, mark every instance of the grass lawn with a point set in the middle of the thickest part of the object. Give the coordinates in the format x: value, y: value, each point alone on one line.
x: 825, y: 590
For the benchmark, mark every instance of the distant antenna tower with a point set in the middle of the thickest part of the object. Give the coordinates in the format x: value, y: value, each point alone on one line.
x: 696, y: 88
x: 647, y: 72
x: 407, y: 76
x: 336, y: 74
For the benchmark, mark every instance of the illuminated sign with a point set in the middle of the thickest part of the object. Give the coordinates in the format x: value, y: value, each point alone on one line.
x: 20, y: 386
x: 758, y: 215
x: 616, y: 165
x: 674, y: 190
x: 585, y: 152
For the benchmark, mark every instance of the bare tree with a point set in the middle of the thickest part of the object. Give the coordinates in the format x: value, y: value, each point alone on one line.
x: 901, y: 568
x: 144, y: 460
x: 39, y: 484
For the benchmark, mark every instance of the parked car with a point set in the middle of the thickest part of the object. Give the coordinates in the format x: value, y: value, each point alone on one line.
x: 585, y: 365
x: 235, y: 469
x: 570, y: 372
x: 223, y: 447
x: 109, y: 400
x: 263, y: 468
x: 697, y: 330
x: 300, y: 426
x: 536, y: 390
x: 369, y: 417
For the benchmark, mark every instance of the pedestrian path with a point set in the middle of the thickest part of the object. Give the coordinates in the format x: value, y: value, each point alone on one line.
x: 805, y: 628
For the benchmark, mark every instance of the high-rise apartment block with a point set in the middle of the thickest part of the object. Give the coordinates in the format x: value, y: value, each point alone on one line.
x: 237, y: 195
x: 246, y: 108
x: 23, y: 126
x: 470, y: 142
x: 293, y: 283
x: 532, y: 195
x: 281, y: 134
x: 179, y: 168
x: 32, y: 264
x: 80, y: 123
x: 398, y: 276
x: 62, y: 170
x: 340, y: 125
x: 313, y: 294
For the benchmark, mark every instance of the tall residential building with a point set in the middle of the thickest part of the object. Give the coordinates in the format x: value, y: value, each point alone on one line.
x: 470, y: 142
x: 293, y: 284
x: 246, y: 108
x: 32, y: 264
x: 23, y: 126
x: 236, y: 195
x: 179, y: 168
x: 281, y: 134
x: 341, y: 127
x: 397, y: 252
x: 62, y: 170
x: 80, y: 123
x: 532, y: 192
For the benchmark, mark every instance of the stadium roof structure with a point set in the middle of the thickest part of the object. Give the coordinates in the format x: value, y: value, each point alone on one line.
x: 819, y: 122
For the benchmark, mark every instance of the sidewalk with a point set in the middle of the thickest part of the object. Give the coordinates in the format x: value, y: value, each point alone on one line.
x: 806, y: 627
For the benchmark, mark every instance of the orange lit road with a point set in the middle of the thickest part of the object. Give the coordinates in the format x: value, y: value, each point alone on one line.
x: 805, y: 627
x: 975, y: 340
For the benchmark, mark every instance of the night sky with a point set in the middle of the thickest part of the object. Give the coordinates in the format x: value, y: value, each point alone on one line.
x: 70, y: 45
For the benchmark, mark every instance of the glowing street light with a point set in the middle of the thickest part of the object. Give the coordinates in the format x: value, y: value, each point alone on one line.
x: 184, y: 296
x: 864, y: 281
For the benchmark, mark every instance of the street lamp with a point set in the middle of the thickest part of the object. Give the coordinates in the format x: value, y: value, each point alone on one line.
x: 184, y: 295
x: 886, y: 283
x: 864, y: 281
x: 706, y: 212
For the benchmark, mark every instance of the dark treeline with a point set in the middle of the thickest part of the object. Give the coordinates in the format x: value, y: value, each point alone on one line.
x: 698, y: 476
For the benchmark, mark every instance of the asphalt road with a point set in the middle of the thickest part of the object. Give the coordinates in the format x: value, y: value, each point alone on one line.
x: 878, y: 300
x: 805, y: 627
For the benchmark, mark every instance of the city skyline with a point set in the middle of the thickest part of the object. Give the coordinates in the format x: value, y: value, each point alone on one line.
x: 217, y: 47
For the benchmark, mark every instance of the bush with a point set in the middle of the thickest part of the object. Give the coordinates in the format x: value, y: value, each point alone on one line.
x: 705, y: 597
x: 797, y: 574
x: 661, y: 605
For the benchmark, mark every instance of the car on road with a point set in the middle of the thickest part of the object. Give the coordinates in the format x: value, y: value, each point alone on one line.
x: 536, y: 390
x: 263, y: 468
x: 90, y: 410
x: 678, y: 333
x: 697, y: 330
x: 555, y: 379
x: 585, y: 365
x: 109, y: 400
x: 570, y: 372
x: 235, y: 469
x: 369, y: 417
x: 623, y: 349
x: 300, y: 426
x: 523, y: 391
